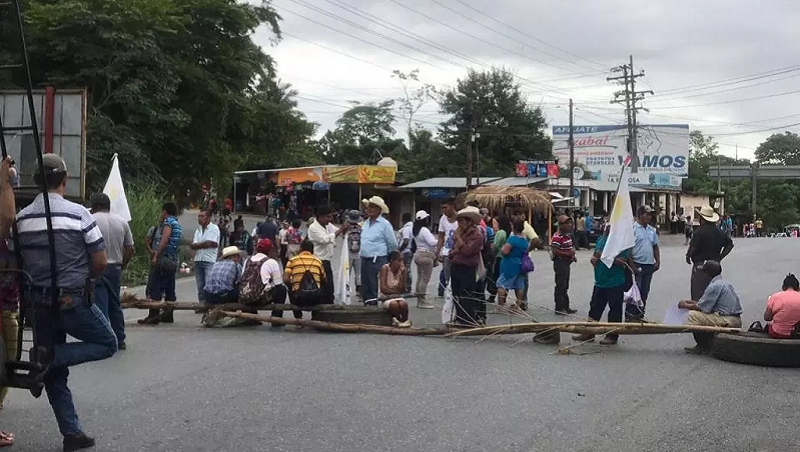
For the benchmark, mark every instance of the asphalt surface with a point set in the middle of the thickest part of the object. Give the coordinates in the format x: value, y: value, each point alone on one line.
x: 184, y: 388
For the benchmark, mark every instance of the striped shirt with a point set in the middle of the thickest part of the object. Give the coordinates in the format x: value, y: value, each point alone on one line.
x: 174, y: 239
x: 562, y: 242
x: 297, y: 267
x: 75, y: 234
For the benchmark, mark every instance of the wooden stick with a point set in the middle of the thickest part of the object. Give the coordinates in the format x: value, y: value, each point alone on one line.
x: 339, y: 327
x: 129, y: 301
x: 593, y: 328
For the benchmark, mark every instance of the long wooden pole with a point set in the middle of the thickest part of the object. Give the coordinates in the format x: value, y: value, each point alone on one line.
x: 131, y: 302
x: 338, y: 327
x: 592, y: 328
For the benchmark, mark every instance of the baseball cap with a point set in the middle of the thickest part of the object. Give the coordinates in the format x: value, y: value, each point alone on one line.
x: 421, y: 215
x: 264, y: 246
x: 53, y: 164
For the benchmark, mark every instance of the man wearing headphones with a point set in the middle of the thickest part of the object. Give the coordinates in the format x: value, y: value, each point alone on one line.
x: 64, y: 308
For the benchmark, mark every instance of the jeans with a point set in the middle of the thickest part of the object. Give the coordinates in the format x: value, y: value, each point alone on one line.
x: 328, y: 289
x: 462, y: 278
x: 370, y: 267
x: 444, y: 276
x: 643, y: 281
x: 407, y: 259
x: 51, y: 325
x: 106, y: 297
x: 561, y: 293
x: 231, y: 296
x: 201, y: 269
x: 607, y: 296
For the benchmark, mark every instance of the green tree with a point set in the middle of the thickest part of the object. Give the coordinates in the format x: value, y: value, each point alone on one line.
x: 366, y: 122
x: 780, y: 148
x: 413, y: 98
x: 491, y: 103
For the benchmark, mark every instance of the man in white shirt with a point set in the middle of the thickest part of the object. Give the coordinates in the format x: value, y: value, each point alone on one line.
x: 206, y: 246
x: 407, y: 236
x: 323, y: 235
x: 448, y: 224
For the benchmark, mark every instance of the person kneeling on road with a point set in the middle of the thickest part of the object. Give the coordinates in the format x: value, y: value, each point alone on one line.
x: 222, y: 281
x: 392, y: 280
x: 783, y: 310
x: 64, y: 306
x: 719, y: 306
x: 306, y: 277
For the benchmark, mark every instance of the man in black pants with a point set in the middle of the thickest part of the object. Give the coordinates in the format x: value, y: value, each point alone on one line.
x: 563, y: 252
x: 323, y: 235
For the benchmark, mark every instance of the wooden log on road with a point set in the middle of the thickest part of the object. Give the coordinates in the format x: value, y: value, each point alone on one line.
x: 596, y: 328
x: 129, y: 301
x: 336, y: 327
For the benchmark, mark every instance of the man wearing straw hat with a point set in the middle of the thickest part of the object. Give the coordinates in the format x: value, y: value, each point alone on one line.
x: 377, y: 241
x: 222, y: 282
x: 708, y: 244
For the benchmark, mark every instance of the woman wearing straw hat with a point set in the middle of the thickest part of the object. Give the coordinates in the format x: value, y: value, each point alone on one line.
x: 377, y: 241
x: 465, y: 258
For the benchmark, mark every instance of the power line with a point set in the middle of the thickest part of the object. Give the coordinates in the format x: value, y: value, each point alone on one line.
x: 734, y: 80
x: 336, y: 51
x: 736, y: 88
x: 768, y: 96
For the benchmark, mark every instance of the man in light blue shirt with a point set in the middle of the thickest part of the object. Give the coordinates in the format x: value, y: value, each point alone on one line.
x: 377, y: 241
x: 647, y: 257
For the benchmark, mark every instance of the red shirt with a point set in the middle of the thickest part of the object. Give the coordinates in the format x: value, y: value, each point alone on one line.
x: 562, y: 242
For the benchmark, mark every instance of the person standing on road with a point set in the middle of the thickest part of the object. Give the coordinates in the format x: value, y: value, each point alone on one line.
x: 647, y: 259
x: 165, y: 264
x: 353, y: 220
x: 205, y: 244
x: 447, y: 227
x: 407, y: 237
x: 563, y: 257
x: 323, y: 235
x: 268, y: 230
x: 377, y: 241
x: 119, y: 249
x: 533, y: 242
x: 465, y: 257
x: 759, y: 227
x: 708, y: 244
x: 425, y: 257
x: 79, y: 256
x: 580, y: 227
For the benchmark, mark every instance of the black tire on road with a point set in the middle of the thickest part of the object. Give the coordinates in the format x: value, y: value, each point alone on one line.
x: 355, y: 315
x: 757, y: 349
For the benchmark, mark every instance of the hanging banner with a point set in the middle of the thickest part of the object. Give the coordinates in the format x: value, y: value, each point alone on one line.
x: 376, y: 174
x: 298, y: 176
x: 341, y: 174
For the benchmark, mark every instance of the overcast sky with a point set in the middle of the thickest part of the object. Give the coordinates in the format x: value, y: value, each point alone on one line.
x: 711, y: 63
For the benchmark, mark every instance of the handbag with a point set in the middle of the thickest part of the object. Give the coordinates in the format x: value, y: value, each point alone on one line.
x: 167, y: 266
x: 527, y: 263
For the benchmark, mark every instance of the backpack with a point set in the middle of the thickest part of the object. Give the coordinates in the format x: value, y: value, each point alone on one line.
x: 293, y: 237
x: 251, y: 286
x: 309, y: 291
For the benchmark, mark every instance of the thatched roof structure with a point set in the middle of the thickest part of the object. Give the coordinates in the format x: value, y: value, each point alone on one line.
x: 511, y: 198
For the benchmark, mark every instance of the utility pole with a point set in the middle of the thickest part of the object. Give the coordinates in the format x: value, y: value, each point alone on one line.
x: 475, y: 138
x: 571, y: 143
x: 469, y: 159
x: 753, y: 182
x: 630, y: 97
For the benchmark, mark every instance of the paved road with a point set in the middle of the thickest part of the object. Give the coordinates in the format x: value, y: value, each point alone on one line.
x: 184, y: 388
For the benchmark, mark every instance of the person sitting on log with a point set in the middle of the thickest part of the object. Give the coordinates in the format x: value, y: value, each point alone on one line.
x: 719, y: 306
x: 222, y: 281
x: 262, y: 278
x: 306, y: 277
x: 392, y: 281
x: 783, y: 310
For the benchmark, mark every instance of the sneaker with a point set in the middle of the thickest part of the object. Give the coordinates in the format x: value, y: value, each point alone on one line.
x: 571, y: 311
x: 395, y: 322
x: 583, y: 338
x: 406, y: 324
x: 77, y: 442
x: 148, y: 321
x: 424, y: 305
x: 122, y: 346
x: 166, y: 317
x: 696, y: 350
x: 606, y: 340
x: 547, y: 338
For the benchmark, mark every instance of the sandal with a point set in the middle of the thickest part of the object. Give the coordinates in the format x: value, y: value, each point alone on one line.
x: 6, y: 439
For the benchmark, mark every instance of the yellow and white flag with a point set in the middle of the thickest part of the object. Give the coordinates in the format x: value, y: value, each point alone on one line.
x: 116, y: 191
x: 621, y: 237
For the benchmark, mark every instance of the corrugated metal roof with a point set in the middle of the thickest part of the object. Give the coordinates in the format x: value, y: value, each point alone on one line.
x: 447, y: 182
x: 518, y: 181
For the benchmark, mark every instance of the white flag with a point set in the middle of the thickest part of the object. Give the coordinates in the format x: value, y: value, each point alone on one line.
x: 341, y: 285
x: 116, y: 191
x: 621, y: 236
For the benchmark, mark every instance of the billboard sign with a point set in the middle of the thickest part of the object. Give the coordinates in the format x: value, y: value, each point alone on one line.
x: 663, y: 153
x: 536, y: 168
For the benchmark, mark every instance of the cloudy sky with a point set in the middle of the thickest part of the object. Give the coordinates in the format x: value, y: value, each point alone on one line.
x: 728, y: 68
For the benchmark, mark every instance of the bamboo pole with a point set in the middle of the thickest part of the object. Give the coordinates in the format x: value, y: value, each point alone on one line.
x: 592, y: 328
x: 338, y: 327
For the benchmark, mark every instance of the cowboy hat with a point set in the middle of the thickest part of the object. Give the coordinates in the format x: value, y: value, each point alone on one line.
x: 708, y: 213
x: 378, y: 201
x: 470, y: 212
x: 229, y: 251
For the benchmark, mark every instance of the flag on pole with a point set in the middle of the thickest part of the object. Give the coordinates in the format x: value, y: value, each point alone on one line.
x: 116, y: 191
x: 621, y: 237
x: 341, y: 286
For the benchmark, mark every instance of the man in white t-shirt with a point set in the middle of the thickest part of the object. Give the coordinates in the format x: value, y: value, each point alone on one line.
x: 206, y: 246
x: 447, y: 227
x: 407, y: 237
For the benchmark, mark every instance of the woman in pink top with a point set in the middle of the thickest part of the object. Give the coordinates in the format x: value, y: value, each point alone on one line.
x: 783, y: 310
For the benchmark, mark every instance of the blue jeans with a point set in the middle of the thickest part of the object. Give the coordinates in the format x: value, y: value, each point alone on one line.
x: 106, y: 297
x: 51, y: 325
x: 231, y: 296
x: 201, y: 269
x: 369, y: 276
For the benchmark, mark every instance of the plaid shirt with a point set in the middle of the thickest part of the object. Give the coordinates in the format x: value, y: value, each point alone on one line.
x: 223, y: 277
